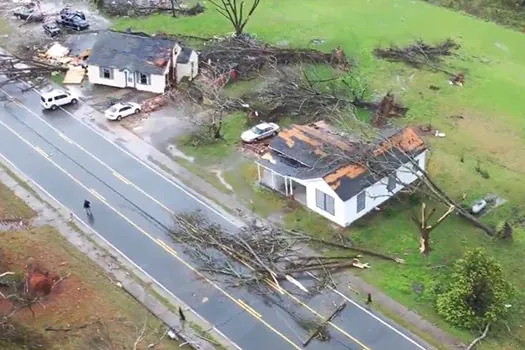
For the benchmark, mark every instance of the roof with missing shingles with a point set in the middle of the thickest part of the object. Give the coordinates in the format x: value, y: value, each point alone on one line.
x: 319, y: 151
x: 136, y: 53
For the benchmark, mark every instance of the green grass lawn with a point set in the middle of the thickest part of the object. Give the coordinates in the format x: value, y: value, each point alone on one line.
x: 491, y: 131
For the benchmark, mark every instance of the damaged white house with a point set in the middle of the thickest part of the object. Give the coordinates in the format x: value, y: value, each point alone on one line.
x: 299, y: 164
x: 142, y: 62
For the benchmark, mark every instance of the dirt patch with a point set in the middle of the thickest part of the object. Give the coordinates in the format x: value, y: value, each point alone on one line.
x: 84, y: 301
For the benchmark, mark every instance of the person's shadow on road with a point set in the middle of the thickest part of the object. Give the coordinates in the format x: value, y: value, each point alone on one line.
x: 91, y: 219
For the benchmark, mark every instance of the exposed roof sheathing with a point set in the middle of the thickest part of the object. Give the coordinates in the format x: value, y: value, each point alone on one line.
x: 316, y: 150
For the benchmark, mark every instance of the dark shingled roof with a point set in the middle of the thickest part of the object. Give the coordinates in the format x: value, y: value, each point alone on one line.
x: 184, y: 55
x: 136, y: 53
x: 314, y: 151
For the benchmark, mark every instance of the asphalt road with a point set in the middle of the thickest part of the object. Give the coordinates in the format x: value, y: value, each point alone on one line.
x: 132, y: 209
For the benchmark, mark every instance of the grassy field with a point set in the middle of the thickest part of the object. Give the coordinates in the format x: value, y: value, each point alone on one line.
x: 491, y: 131
x: 100, y: 314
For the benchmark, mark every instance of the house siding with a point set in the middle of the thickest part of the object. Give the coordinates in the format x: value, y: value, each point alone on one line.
x: 157, y: 81
x: 184, y: 69
x: 378, y: 192
x: 94, y: 76
x: 321, y: 185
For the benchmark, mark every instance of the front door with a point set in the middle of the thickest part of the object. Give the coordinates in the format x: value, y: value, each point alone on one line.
x: 130, y: 80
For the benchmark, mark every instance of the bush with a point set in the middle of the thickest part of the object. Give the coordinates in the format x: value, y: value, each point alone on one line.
x: 477, y: 293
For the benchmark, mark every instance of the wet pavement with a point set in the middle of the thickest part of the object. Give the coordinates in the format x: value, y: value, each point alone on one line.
x: 133, y: 206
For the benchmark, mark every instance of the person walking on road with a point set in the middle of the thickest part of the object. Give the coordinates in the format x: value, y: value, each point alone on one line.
x: 87, y: 207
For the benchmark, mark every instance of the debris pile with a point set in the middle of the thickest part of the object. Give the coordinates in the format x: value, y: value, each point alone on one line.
x: 247, y: 55
x: 17, y: 68
x: 153, y: 104
x: 262, y: 256
x: 386, y: 109
x: 419, y: 54
x: 292, y: 95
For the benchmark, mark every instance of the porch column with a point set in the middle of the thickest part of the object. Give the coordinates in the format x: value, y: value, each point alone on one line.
x: 273, y: 180
x: 286, y: 186
x: 291, y: 187
x: 259, y: 172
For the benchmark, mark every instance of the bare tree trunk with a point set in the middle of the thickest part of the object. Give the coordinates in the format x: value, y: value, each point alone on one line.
x: 425, y: 229
x: 480, y: 338
x: 174, y: 6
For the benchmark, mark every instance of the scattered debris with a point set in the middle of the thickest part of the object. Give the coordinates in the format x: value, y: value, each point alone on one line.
x: 458, y: 79
x: 247, y: 55
x: 12, y: 224
x: 386, y: 109
x: 74, y: 75
x: 258, y: 256
x: 153, y: 104
x: 420, y: 54
x: 17, y: 68
x: 323, y: 325
x: 56, y: 51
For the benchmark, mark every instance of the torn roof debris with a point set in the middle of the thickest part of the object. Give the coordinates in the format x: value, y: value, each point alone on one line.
x: 318, y: 150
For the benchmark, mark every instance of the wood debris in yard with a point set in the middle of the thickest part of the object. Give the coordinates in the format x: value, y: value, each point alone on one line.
x: 153, y: 104
x: 56, y: 51
x: 74, y: 75
x: 419, y: 54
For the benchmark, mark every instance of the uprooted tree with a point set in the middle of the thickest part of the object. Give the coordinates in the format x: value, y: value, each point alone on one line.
x: 477, y: 294
x: 16, y: 68
x: 235, y: 12
x: 393, y: 157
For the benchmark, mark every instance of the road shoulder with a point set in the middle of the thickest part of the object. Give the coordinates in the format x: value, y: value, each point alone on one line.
x: 163, y: 305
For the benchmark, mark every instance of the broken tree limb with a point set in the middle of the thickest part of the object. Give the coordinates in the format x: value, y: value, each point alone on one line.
x: 420, y: 54
x: 344, y: 246
x: 480, y: 338
x: 319, y: 329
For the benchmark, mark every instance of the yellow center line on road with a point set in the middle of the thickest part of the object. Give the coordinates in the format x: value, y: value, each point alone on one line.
x: 65, y: 137
x: 274, y: 286
x: 121, y: 178
x: 243, y: 305
x: 128, y: 182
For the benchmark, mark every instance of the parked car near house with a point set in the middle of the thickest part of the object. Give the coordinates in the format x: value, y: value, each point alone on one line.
x: 260, y: 132
x: 52, y: 29
x: 72, y: 19
x: 56, y: 98
x: 122, y: 110
x: 29, y: 13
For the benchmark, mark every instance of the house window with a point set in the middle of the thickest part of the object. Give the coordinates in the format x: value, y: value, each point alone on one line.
x: 361, y: 201
x: 106, y: 73
x: 391, y: 185
x: 325, y: 202
x: 143, y: 79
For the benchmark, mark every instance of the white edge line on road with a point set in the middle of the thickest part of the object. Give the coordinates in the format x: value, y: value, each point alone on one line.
x: 113, y: 247
x: 194, y: 197
x: 376, y: 318
x: 126, y: 152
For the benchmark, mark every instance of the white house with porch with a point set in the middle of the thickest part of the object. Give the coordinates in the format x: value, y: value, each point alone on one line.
x: 140, y: 61
x: 311, y: 164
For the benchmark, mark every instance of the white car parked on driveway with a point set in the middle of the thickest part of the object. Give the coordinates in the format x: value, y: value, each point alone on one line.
x: 56, y: 98
x: 122, y: 110
x: 260, y: 132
